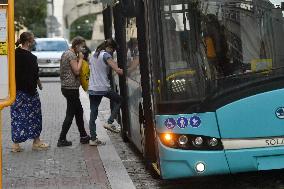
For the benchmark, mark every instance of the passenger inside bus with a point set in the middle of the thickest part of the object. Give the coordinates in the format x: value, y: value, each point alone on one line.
x: 216, y: 46
x: 175, y: 49
x: 132, y: 58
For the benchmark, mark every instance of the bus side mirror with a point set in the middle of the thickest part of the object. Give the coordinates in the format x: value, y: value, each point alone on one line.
x: 282, y: 5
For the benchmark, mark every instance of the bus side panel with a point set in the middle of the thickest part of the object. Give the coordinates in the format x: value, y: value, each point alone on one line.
x: 252, y: 117
x: 255, y: 159
x: 177, y: 163
x: 252, y: 131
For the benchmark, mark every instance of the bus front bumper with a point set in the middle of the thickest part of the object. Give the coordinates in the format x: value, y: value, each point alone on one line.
x: 175, y: 163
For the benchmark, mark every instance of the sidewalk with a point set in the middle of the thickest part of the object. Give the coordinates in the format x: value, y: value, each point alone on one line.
x: 78, y: 166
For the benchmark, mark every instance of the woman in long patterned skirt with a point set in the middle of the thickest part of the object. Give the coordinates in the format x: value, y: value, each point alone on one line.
x: 26, y: 117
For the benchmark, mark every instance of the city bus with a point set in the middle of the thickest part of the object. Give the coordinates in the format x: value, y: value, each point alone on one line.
x: 204, y: 83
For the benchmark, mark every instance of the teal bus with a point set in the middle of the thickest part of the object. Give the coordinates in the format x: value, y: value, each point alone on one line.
x: 204, y: 83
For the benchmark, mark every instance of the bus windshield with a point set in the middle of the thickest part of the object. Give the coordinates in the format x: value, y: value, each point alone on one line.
x: 215, y: 46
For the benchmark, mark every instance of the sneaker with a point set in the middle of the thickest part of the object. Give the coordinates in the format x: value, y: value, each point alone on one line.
x: 85, y: 139
x: 96, y: 142
x: 62, y: 143
x: 111, y: 127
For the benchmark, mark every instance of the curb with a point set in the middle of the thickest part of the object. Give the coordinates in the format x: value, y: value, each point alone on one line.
x: 114, y: 168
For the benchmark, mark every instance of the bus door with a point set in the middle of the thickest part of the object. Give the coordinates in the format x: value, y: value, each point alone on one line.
x: 250, y: 85
x: 132, y: 72
x: 133, y: 80
x: 119, y: 28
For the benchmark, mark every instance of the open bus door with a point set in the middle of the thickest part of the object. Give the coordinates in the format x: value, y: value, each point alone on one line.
x: 137, y: 117
x: 7, y: 62
x: 119, y: 22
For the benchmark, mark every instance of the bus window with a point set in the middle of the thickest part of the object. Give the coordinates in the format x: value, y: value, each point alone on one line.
x: 246, y: 40
x: 179, y: 78
x: 209, y: 47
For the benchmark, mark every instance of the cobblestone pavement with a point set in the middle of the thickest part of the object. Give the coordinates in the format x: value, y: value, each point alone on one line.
x: 75, y: 167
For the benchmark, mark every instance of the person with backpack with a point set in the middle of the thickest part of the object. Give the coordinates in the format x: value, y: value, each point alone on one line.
x: 70, y: 68
x: 99, y: 86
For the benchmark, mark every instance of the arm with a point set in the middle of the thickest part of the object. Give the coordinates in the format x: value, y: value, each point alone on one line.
x: 114, y: 66
x: 76, y: 65
x: 37, y: 76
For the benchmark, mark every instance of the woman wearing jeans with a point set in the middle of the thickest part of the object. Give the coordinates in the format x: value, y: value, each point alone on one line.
x: 70, y: 67
x: 99, y: 86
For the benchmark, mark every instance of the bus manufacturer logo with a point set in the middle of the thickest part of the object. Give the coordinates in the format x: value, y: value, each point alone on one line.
x: 280, y: 113
x: 195, y: 121
x: 170, y: 123
x: 182, y: 122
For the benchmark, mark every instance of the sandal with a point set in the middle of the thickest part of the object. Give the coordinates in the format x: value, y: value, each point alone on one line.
x: 40, y: 146
x: 16, y: 149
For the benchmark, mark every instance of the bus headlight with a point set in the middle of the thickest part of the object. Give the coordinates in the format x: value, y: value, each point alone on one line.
x: 190, y: 142
x: 200, y: 167
x: 182, y: 140
x: 213, y: 142
x: 198, y: 141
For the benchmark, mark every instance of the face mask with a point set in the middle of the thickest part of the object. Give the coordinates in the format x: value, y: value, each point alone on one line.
x: 80, y: 49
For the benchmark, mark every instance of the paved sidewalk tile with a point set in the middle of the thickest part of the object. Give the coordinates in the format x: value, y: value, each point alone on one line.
x: 78, y: 166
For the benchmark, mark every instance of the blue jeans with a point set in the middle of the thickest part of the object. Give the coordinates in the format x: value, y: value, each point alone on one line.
x: 95, y: 101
